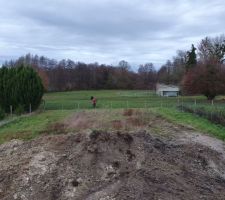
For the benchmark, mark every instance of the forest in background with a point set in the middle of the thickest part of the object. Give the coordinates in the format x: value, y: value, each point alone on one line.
x: 67, y: 75
x: 193, y: 71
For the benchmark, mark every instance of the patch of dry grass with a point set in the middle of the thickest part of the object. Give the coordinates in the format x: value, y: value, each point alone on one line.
x: 121, y: 119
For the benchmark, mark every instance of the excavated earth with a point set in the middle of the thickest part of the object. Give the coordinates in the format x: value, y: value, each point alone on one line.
x: 102, y: 165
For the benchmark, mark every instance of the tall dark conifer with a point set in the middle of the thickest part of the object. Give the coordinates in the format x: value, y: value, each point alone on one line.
x: 20, y: 86
x: 191, y: 58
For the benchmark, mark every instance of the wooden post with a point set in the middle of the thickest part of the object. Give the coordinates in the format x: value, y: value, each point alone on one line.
x: 182, y: 104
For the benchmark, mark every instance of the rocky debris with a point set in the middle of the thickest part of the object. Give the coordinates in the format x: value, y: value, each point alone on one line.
x: 109, y: 166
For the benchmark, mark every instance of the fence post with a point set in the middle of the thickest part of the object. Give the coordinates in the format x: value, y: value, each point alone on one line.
x: 182, y: 104
x: 212, y: 102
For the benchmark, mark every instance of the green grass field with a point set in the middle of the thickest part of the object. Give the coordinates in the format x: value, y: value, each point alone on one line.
x: 113, y: 99
x: 59, y: 105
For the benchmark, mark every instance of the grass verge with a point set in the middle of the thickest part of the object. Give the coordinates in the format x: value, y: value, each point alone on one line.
x: 198, y: 123
x: 28, y: 127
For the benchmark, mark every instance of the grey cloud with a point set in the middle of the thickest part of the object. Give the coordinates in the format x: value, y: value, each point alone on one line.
x: 107, y: 31
x: 124, y: 22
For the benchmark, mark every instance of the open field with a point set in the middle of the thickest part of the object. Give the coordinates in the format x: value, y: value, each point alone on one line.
x: 165, y: 106
x: 110, y: 106
x: 114, y: 99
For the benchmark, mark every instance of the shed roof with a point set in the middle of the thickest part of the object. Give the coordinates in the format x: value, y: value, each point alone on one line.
x: 167, y: 87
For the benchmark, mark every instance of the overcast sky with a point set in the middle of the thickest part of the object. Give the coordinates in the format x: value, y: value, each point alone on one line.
x: 107, y: 31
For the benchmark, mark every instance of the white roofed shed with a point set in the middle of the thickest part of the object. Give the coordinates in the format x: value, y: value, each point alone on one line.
x: 167, y: 90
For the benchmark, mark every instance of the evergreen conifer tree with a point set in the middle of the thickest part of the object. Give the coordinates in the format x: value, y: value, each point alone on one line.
x: 20, y: 86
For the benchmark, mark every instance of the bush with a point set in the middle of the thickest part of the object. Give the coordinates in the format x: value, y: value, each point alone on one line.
x: 2, y: 114
x: 20, y: 86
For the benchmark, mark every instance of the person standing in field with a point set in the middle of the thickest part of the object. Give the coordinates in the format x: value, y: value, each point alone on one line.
x: 93, y: 101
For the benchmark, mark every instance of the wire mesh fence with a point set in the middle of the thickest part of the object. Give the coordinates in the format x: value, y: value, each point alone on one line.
x: 214, y: 112
x: 163, y: 102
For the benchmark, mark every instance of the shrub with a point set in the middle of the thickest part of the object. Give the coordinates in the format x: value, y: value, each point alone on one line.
x: 20, y: 86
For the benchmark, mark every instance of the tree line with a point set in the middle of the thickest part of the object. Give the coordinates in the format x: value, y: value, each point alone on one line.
x: 67, y: 75
x: 197, y: 71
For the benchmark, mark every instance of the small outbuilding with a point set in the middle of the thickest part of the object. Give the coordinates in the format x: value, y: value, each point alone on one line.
x: 167, y: 90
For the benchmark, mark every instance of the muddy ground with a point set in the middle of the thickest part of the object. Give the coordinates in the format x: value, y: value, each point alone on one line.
x: 159, y: 161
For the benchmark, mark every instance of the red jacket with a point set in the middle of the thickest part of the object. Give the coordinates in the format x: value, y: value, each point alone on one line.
x: 94, y: 101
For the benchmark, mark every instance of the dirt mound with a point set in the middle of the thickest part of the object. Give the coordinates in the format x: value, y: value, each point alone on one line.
x: 103, y: 166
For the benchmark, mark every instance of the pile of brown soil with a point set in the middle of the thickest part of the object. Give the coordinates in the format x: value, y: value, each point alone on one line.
x: 109, y: 166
